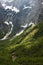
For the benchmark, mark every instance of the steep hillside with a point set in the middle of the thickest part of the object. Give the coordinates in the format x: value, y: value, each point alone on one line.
x: 26, y: 49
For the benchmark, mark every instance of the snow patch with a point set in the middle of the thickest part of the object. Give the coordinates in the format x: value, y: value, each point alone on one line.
x: 25, y: 7
x: 15, y: 9
x: 24, y: 26
x: 6, y: 22
x: 10, y: 7
x: 31, y: 23
x: 5, y: 37
x: 19, y: 33
x: 27, y: 25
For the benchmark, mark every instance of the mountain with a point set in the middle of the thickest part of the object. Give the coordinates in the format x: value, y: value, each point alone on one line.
x: 26, y: 49
x: 18, y: 13
x: 21, y: 32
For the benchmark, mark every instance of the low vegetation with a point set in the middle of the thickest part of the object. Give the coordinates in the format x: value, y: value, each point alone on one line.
x: 26, y: 49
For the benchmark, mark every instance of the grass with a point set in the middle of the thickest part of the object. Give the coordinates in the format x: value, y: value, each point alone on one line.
x: 27, y: 49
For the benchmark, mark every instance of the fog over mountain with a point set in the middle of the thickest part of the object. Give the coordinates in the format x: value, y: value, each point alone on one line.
x: 17, y: 13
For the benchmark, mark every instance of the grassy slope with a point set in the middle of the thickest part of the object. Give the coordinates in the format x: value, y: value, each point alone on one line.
x: 27, y: 49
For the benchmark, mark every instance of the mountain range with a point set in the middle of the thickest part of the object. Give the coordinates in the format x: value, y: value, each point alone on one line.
x: 17, y: 13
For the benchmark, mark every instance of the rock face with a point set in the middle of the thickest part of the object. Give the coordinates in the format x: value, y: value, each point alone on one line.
x: 40, y: 19
x: 41, y: 16
x: 29, y: 11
